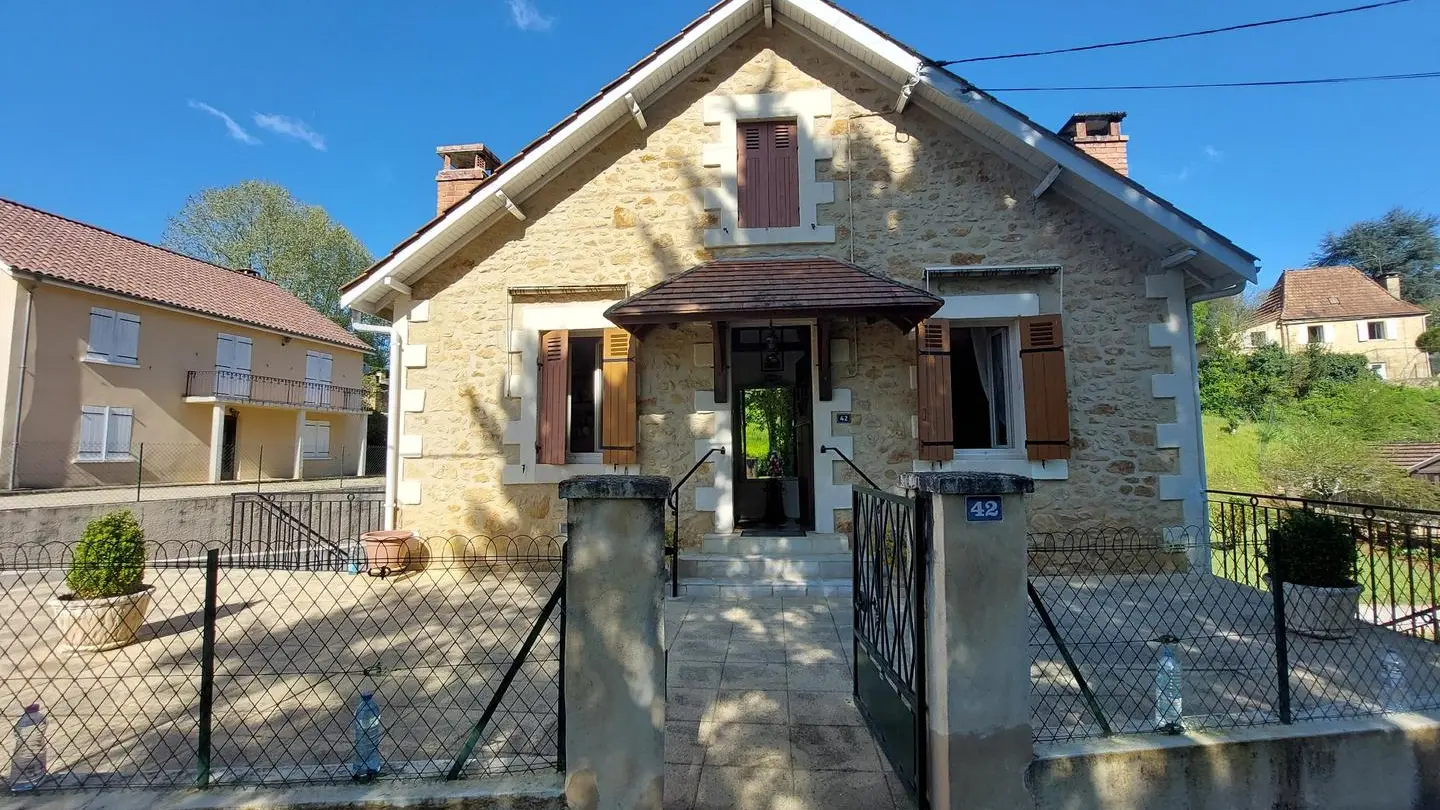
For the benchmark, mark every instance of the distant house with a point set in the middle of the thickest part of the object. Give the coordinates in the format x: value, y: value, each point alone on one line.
x: 1420, y: 459
x: 1345, y: 311
x: 114, y: 344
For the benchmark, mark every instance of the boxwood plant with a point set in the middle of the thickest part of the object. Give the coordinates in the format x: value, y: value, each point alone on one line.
x: 1307, y: 548
x: 109, y: 560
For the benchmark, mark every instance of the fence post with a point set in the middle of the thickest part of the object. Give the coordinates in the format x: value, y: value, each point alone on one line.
x: 1282, y: 642
x: 260, y: 468
x: 139, y: 471
x: 207, y: 665
x: 614, y: 673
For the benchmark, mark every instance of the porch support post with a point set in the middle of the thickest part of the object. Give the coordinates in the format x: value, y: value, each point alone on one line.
x: 364, y: 444
x: 978, y: 645
x: 217, y: 440
x: 299, y: 445
x: 614, y: 659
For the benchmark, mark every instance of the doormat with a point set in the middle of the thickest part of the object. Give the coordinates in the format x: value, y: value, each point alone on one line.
x: 773, y: 533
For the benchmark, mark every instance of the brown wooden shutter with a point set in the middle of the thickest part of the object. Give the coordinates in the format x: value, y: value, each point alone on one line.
x: 932, y: 391
x: 767, y: 175
x: 553, y: 417
x: 1047, y: 400
x: 618, y: 433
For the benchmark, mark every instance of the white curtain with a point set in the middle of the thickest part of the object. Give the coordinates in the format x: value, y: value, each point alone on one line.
x: 980, y: 343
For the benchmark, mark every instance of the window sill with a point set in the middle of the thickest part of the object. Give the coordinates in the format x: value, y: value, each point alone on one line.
x: 555, y: 473
x: 104, y: 362
x: 996, y: 462
x: 797, y: 235
x: 114, y: 458
x: 317, y: 458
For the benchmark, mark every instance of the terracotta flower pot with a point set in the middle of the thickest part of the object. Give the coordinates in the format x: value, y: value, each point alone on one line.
x: 387, y: 552
x: 92, y: 625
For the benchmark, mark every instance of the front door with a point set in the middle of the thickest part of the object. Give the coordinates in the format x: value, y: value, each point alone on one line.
x: 228, y: 452
x: 770, y: 381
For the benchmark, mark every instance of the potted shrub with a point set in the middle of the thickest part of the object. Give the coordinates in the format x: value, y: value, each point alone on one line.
x: 1315, y: 556
x: 108, y: 599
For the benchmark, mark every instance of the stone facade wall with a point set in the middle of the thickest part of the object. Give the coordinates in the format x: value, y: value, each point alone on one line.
x: 910, y: 191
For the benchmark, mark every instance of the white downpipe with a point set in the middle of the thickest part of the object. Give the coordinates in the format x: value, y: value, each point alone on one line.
x: 392, y: 422
x: 20, y: 378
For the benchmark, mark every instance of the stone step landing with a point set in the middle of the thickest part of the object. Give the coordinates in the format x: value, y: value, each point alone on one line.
x: 811, y: 543
x: 757, y: 589
x: 790, y: 567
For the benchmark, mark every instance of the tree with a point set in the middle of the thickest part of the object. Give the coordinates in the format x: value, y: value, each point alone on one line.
x: 1220, y: 324
x: 1316, y: 459
x: 1402, y: 241
x: 1429, y: 340
x: 260, y: 226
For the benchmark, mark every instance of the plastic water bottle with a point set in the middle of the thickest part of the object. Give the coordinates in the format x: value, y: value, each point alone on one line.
x: 367, y: 738
x: 1169, y: 707
x: 1392, y: 683
x: 27, y: 766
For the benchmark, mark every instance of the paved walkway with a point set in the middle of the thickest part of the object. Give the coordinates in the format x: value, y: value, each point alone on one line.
x: 760, y: 713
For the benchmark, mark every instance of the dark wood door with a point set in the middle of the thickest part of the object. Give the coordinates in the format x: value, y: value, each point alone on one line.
x: 228, y: 451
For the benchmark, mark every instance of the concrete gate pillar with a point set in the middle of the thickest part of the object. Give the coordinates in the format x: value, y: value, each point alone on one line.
x: 614, y: 671
x: 978, y: 650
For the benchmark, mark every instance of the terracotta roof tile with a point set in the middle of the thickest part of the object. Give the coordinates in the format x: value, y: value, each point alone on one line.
x: 51, y: 246
x: 774, y: 287
x: 1411, y: 455
x: 1330, y: 293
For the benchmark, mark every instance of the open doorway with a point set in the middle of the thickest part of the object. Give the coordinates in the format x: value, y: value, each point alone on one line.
x: 228, y: 452
x: 771, y: 396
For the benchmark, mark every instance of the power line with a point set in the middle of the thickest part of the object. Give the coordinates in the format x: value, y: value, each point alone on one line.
x: 1167, y: 37
x: 1277, y: 83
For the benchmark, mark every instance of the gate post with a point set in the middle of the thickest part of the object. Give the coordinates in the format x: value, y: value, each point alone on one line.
x: 978, y: 679
x: 614, y: 657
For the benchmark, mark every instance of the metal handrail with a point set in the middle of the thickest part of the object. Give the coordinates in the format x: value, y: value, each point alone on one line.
x: 239, y: 386
x: 673, y: 500
x: 825, y: 448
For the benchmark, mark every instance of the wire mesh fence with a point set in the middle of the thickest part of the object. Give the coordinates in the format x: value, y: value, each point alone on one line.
x: 59, y: 473
x: 1110, y: 606
x: 246, y: 675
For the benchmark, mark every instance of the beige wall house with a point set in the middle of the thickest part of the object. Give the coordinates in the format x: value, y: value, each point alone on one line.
x: 1345, y: 311
x: 734, y: 246
x: 116, y: 349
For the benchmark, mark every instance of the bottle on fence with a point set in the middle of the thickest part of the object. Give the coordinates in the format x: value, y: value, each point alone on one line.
x: 27, y: 766
x: 367, y: 738
x: 1169, y: 706
x: 1392, y: 683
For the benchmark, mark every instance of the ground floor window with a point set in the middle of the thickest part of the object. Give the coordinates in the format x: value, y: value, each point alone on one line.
x: 105, y: 433
x: 1378, y: 369
x: 980, y: 380
x: 583, y: 427
x: 316, y: 439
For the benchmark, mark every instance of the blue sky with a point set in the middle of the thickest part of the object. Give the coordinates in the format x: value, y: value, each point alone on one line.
x: 113, y: 112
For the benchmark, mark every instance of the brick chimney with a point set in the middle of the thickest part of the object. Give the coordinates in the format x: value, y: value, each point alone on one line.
x: 1098, y: 135
x: 1392, y: 284
x: 465, y: 166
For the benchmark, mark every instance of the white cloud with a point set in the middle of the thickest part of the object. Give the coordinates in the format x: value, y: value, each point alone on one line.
x: 1213, y: 153
x: 290, y: 127
x: 527, y: 17
x: 236, y: 131
x: 1180, y: 176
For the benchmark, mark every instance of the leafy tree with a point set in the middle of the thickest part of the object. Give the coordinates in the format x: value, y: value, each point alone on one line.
x: 1429, y: 340
x: 1317, y: 459
x: 1220, y: 324
x: 1317, y: 370
x: 260, y: 226
x: 1402, y: 241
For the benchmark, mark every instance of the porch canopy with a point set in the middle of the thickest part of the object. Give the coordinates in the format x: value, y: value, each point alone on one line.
x: 755, y: 289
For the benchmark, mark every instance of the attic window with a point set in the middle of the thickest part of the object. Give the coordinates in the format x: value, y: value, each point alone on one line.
x: 1333, y: 299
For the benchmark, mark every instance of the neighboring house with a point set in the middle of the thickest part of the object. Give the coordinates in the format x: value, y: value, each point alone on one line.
x: 1420, y: 459
x: 734, y: 245
x: 115, y: 344
x: 1347, y: 312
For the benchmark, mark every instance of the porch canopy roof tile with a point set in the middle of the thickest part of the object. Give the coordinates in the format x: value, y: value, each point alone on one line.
x: 789, y: 287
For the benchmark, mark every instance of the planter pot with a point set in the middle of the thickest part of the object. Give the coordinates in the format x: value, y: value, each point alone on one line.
x: 92, y: 625
x: 1328, y: 613
x: 386, y: 553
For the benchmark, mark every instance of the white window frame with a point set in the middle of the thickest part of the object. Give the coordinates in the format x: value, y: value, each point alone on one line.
x: 1014, y: 392
x: 1379, y: 370
x: 1384, y: 330
x: 598, y: 381
x: 313, y: 448
x: 113, y: 338
x: 1259, y: 339
x: 109, y: 435
x: 317, y: 387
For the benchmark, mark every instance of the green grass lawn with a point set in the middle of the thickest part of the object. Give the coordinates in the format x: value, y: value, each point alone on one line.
x: 1232, y: 460
x: 1388, y: 577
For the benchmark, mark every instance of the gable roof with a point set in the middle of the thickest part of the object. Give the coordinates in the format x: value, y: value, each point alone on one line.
x: 1217, y: 265
x: 1415, y: 457
x: 50, y: 246
x: 1330, y: 294
x: 774, y: 288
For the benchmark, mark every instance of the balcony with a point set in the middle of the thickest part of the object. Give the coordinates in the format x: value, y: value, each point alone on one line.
x: 271, y: 392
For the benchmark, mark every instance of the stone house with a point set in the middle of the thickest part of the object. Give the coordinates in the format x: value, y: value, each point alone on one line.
x: 734, y: 246
x: 1345, y: 311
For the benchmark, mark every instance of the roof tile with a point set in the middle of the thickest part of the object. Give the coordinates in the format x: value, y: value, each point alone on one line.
x: 1330, y: 293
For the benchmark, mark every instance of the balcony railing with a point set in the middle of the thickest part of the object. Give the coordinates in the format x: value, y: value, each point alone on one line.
x: 231, y: 386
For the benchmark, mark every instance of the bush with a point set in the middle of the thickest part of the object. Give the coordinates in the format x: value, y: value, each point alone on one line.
x: 109, y: 559
x: 1313, y: 549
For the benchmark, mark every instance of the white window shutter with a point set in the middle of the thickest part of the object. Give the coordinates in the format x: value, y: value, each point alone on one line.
x: 1362, y: 330
x: 224, y: 353
x: 117, y: 437
x: 1392, y: 329
x: 1328, y: 333
x: 92, y: 432
x: 322, y: 439
x: 102, y: 334
x: 127, y: 338
x: 243, y: 350
x: 326, y: 362
x: 312, y: 363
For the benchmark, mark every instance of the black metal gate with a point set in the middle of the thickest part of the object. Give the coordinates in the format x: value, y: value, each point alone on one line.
x: 891, y: 551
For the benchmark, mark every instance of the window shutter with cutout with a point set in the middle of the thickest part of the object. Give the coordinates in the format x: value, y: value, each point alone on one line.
x: 619, y: 429
x: 932, y: 391
x: 753, y: 205
x: 768, y: 175
x: 553, y: 408
x: 1047, y: 400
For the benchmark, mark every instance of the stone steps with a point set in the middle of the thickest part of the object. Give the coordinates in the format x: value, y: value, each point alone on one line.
x: 757, y: 589
x: 812, y: 543
x: 767, y: 567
